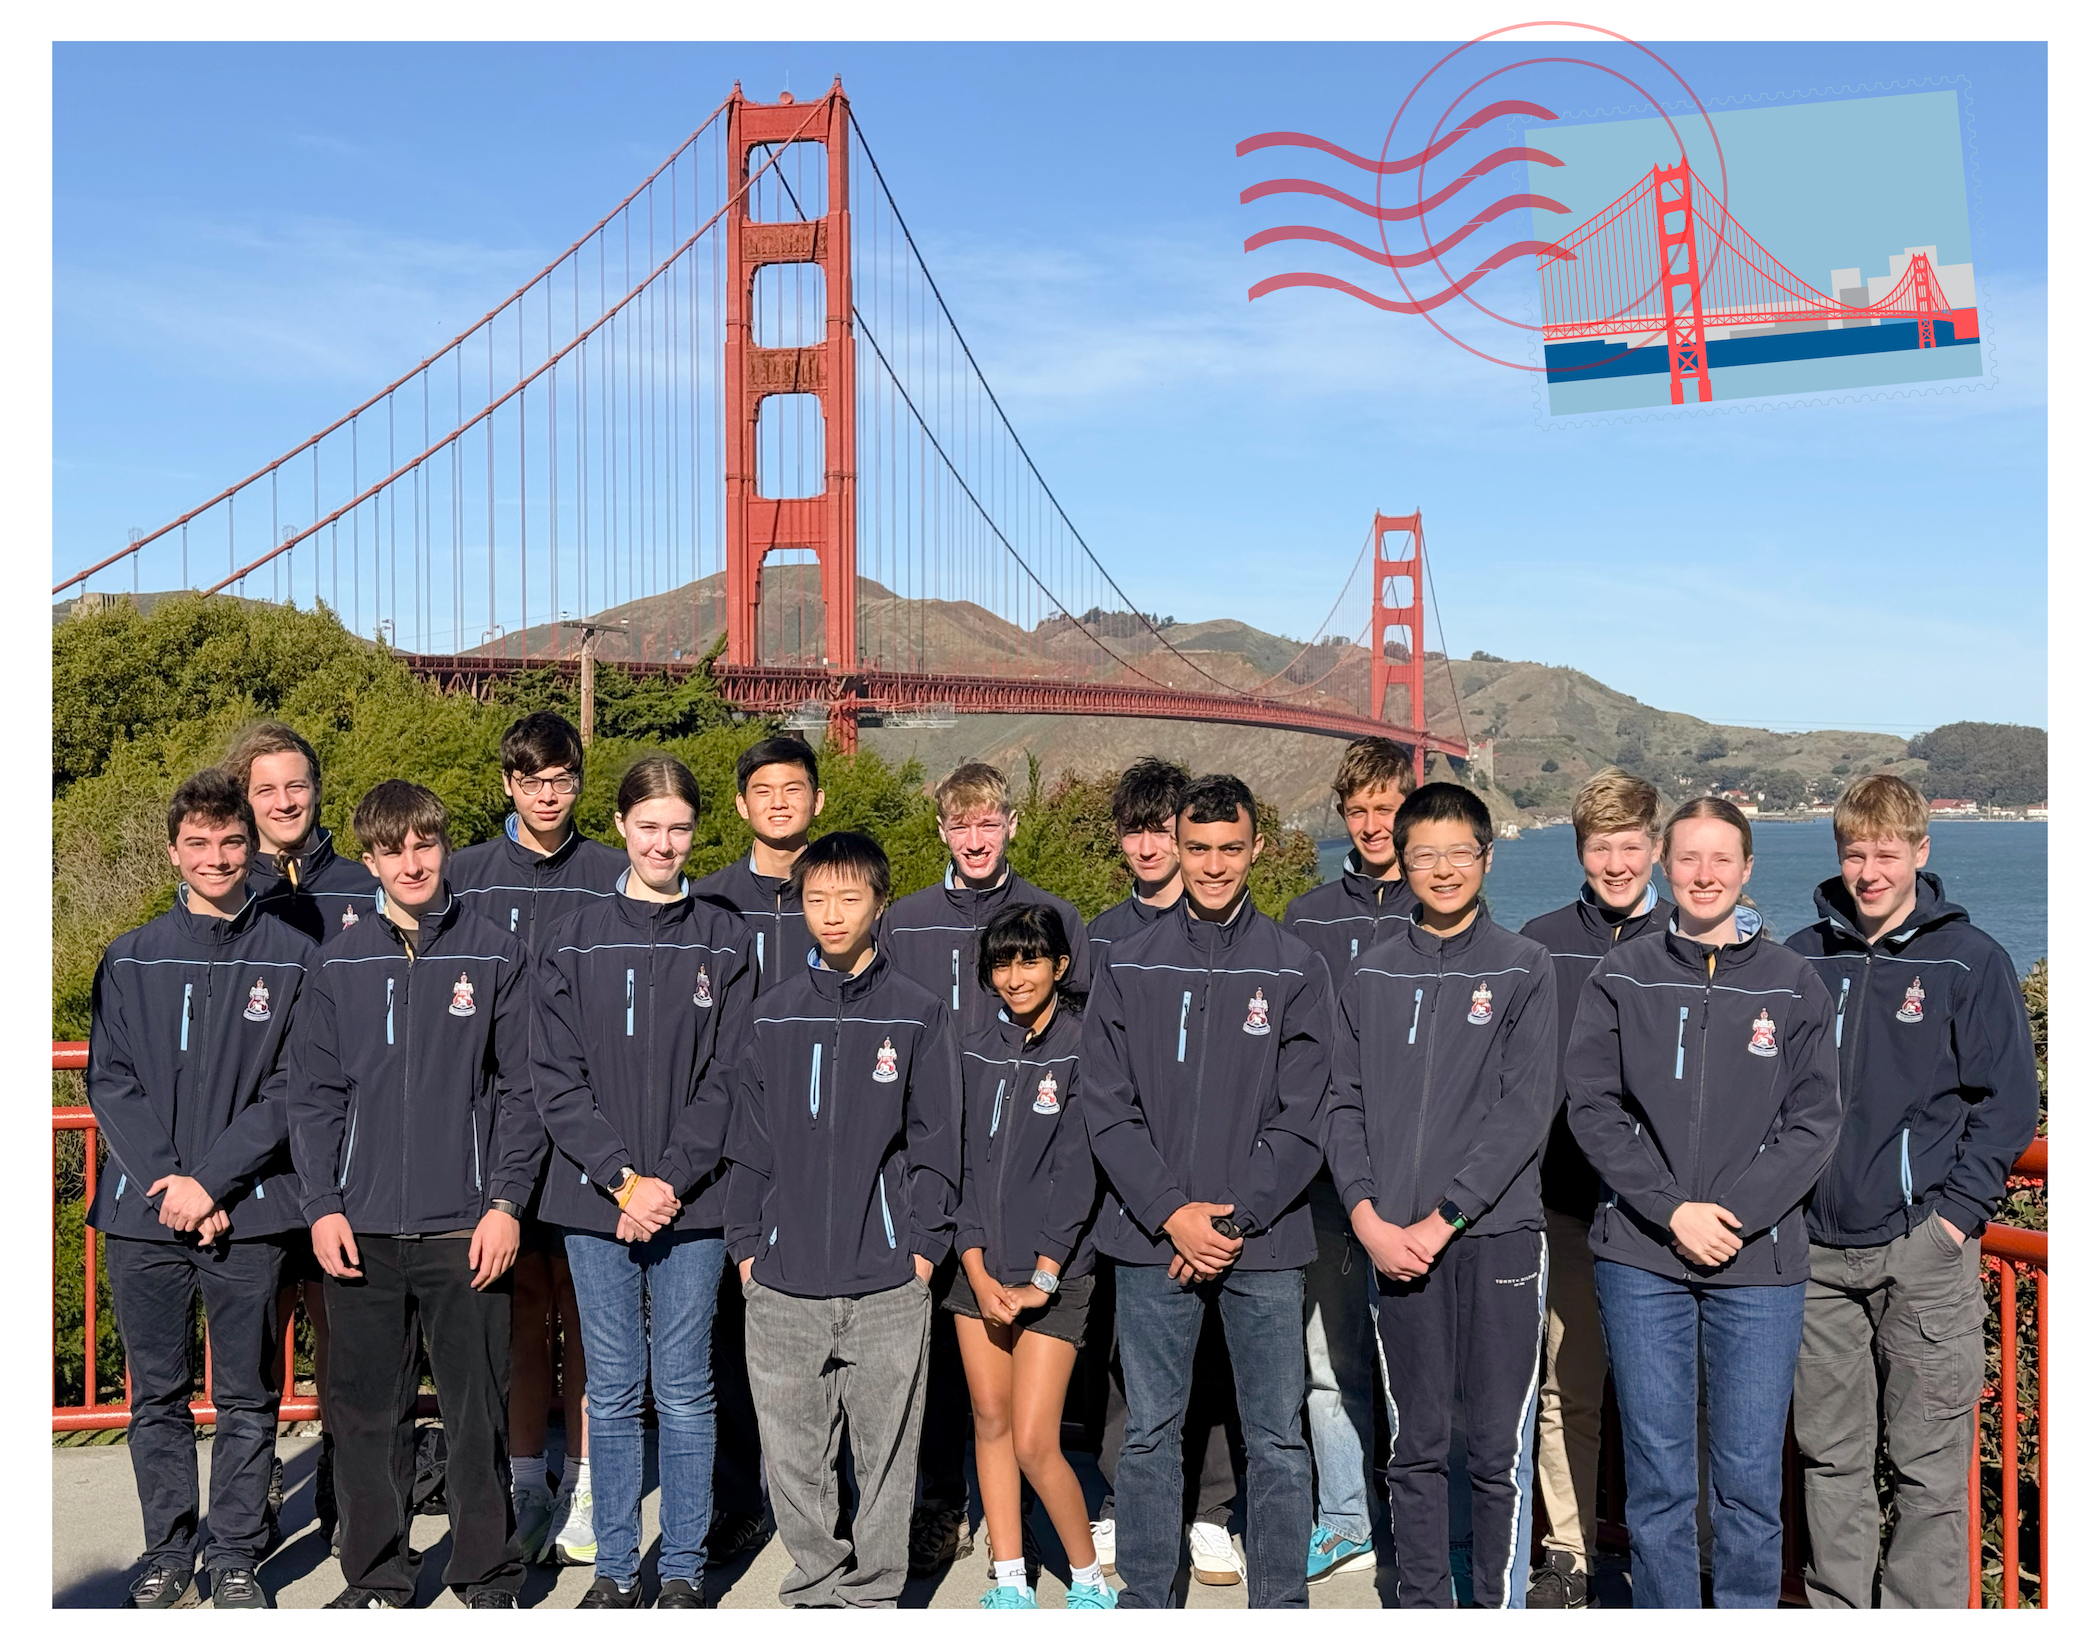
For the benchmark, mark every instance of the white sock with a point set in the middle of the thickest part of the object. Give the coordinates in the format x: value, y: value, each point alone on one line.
x: 575, y: 1473
x: 527, y: 1470
x: 1088, y: 1575
x: 1010, y: 1572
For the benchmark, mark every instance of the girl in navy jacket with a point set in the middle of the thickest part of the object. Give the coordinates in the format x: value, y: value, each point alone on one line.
x: 1025, y: 1235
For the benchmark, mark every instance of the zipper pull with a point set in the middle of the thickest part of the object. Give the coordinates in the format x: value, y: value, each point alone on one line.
x: 955, y: 979
x: 630, y: 1002
x: 1181, y: 1047
x: 390, y: 1010
x: 816, y: 1077
x: 1684, y: 1013
x: 186, y: 990
x: 1844, y: 991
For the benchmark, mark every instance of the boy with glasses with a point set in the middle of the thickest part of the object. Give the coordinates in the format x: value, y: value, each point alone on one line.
x: 1443, y: 1093
x: 524, y: 882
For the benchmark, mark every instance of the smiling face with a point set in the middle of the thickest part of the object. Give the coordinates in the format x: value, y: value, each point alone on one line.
x: 1149, y: 852
x: 1708, y: 869
x: 977, y: 837
x: 544, y: 800
x: 412, y: 874
x: 1616, y: 865
x: 211, y: 855
x: 1367, y: 816
x: 1027, y: 984
x: 1216, y: 859
x: 282, y: 791
x: 1881, y: 875
x: 659, y: 835
x: 779, y: 803
x: 841, y: 911
x: 1445, y: 865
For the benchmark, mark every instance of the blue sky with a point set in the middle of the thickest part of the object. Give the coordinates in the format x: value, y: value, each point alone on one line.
x: 248, y: 240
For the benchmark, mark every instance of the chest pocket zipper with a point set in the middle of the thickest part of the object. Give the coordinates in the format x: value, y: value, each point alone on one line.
x: 1417, y: 1020
x: 630, y: 1002
x: 1352, y: 951
x: 816, y: 1076
x: 1844, y: 991
x: 513, y: 919
x: 186, y: 990
x: 390, y: 1012
x: 1181, y: 1046
x: 1683, y: 1014
x: 1906, y: 1169
x: 954, y: 984
x: 998, y: 1095
x: 761, y: 953
x: 882, y: 1192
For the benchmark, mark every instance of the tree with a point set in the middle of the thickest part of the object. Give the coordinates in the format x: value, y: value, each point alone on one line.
x: 1994, y: 763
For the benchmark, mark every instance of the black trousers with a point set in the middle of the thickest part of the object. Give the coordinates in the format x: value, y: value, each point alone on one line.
x: 945, y: 1434
x: 1213, y: 1455
x: 1471, y: 1326
x: 739, y: 1492
x: 418, y: 1292
x: 156, y: 1287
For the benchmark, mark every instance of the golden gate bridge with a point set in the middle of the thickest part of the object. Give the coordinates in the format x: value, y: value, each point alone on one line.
x: 737, y: 423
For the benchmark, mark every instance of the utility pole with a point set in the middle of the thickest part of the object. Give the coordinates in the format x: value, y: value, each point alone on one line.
x: 591, y: 628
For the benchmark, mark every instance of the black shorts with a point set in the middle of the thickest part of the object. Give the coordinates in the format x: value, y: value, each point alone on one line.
x: 1062, y: 1317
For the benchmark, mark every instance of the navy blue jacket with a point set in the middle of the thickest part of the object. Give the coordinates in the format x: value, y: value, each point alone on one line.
x: 1576, y: 937
x: 931, y: 937
x: 523, y: 893
x: 1203, y: 1079
x: 186, y: 1068
x: 317, y: 892
x: 1344, y: 918
x: 1443, y: 1077
x: 638, y: 1009
x: 1126, y: 917
x: 1699, y: 1074
x: 411, y: 1103
x: 845, y: 1133
x: 1935, y: 1063
x: 1029, y: 1185
x: 772, y: 911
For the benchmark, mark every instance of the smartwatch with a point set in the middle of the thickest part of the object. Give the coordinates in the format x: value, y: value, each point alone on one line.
x: 1449, y: 1210
x: 504, y: 1206
x: 1045, y: 1281
x: 618, y: 1187
x: 1225, y: 1227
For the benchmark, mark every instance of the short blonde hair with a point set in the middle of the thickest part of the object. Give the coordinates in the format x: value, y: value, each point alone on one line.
x: 972, y: 786
x: 1612, y: 799
x: 1881, y: 805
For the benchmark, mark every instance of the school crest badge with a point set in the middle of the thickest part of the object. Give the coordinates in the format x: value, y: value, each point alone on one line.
x: 886, y: 1062
x: 1764, y: 1035
x: 1046, y: 1094
x: 1913, y: 1009
x: 349, y: 916
x: 703, y: 993
x: 1483, y: 1009
x: 1257, y: 1015
x: 258, y: 1002
x: 462, y: 997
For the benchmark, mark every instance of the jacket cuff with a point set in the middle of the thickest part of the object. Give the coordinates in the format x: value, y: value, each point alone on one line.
x: 316, y: 1208
x: 601, y: 1172
x: 1152, y: 1218
x: 675, y: 1172
x: 511, y: 1190
x: 1470, y: 1204
x: 933, y: 1250
x: 1358, y: 1191
x: 1961, y: 1211
x: 1057, y: 1247
x: 744, y: 1247
x: 968, y: 1237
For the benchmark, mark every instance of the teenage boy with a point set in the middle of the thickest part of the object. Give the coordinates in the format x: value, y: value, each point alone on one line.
x: 417, y: 1146
x: 778, y: 796
x: 525, y: 881
x: 185, y: 1075
x: 931, y: 938
x: 1936, y: 1071
x: 1145, y: 801
x: 845, y: 1144
x: 1443, y: 1093
x: 1340, y: 920
x: 1202, y: 1082
x: 1618, y: 839
x: 296, y: 872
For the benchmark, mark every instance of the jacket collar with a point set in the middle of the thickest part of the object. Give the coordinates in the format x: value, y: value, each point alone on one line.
x: 1452, y: 948
x: 1378, y: 892
x: 960, y: 893
x: 529, y: 857
x: 1224, y: 933
x: 649, y: 914
x: 764, y: 883
x: 1749, y: 927
x: 1933, y: 910
x: 441, y: 916
x: 308, y: 863
x: 835, y: 987
x: 210, y: 930
x: 1022, y: 1042
x: 1598, y: 922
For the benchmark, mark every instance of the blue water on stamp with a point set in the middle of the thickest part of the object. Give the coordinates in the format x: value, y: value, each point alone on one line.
x: 1998, y: 870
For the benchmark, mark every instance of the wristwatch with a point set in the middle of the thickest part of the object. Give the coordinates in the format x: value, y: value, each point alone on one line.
x: 1045, y: 1281
x: 1450, y: 1211
x: 1226, y: 1227
x: 504, y: 1206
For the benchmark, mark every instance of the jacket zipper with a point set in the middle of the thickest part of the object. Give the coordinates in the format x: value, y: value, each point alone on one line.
x: 1683, y: 1014
x: 186, y: 990
x: 1844, y: 991
x: 955, y: 979
x: 816, y: 1078
x: 349, y: 1147
x: 390, y: 1011
x: 1415, y: 1023
x: 1181, y: 1045
x: 831, y: 1130
x: 1414, y: 1179
x: 1699, y: 1103
x: 882, y: 1192
x: 998, y: 1095
x: 1906, y: 1169
x: 1202, y: 1057
x: 407, y: 1066
x: 630, y: 1002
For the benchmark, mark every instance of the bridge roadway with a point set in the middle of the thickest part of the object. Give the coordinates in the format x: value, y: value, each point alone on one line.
x: 774, y: 689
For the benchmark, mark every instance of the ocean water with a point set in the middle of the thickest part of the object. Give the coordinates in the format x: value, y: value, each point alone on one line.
x: 1998, y: 870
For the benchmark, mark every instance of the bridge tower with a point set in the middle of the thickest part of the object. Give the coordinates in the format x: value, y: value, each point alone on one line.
x: 1396, y: 604
x: 1684, y: 318
x: 824, y: 524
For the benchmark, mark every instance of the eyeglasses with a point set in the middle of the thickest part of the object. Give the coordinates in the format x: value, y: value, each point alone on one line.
x: 1424, y: 859
x: 565, y: 784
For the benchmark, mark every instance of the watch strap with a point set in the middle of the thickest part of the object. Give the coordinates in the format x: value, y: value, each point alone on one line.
x: 503, y: 1205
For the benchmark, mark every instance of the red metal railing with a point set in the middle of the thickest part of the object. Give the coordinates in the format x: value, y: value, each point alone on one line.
x: 2009, y: 1253
x: 90, y: 1415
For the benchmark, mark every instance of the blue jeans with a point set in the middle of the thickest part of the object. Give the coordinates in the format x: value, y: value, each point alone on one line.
x: 1657, y: 1331
x: 1157, y: 1322
x: 681, y: 1275
x: 1340, y: 1365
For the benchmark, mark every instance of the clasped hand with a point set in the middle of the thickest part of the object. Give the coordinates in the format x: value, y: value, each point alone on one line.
x: 1705, y: 1233
x: 1201, y: 1251
x: 651, y: 1206
x: 1402, y: 1253
x: 185, y: 1206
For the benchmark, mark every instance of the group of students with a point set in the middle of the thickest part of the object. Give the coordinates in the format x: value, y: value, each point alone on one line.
x: 840, y: 1182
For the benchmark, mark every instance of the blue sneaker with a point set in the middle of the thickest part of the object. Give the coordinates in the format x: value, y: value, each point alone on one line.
x: 1334, y: 1554
x: 1008, y: 1598
x: 1079, y: 1596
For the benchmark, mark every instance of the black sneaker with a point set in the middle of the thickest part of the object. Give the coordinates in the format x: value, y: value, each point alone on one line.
x: 163, y: 1587
x: 273, y: 1507
x: 679, y: 1594
x: 359, y: 1598
x: 607, y: 1594
x: 1558, y: 1585
x: 237, y: 1590
x: 731, y: 1538
x: 491, y: 1598
x: 324, y: 1495
x: 939, y: 1536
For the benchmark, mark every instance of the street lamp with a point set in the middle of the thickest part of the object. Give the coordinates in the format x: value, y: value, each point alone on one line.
x: 586, y: 696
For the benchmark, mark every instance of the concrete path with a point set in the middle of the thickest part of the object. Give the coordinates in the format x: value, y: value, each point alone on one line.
x: 96, y: 1539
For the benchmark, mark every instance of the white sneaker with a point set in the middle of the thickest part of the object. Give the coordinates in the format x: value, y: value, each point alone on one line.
x: 575, y: 1540
x: 1104, y: 1534
x: 1213, y: 1558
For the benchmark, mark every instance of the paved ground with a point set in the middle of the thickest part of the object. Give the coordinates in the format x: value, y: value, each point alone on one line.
x: 96, y: 1540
